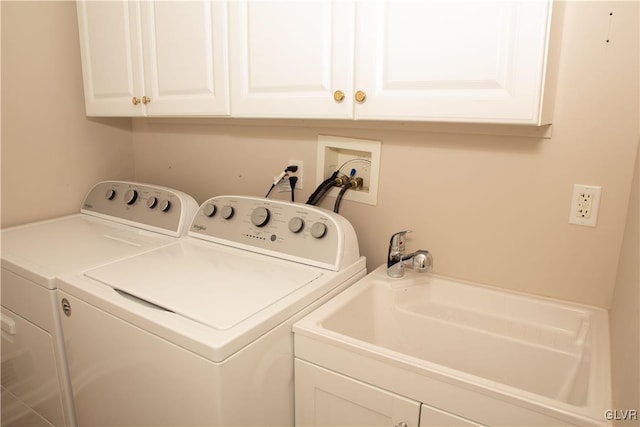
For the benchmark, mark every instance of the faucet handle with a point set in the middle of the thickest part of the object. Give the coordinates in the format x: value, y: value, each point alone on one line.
x: 422, y: 261
x: 397, y: 240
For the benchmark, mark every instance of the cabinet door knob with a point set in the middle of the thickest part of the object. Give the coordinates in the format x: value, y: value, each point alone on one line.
x: 401, y: 424
x: 338, y: 95
x: 135, y: 101
x: 146, y: 100
x: 361, y: 96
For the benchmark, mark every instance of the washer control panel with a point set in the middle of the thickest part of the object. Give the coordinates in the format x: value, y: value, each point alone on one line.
x: 146, y: 206
x: 287, y: 230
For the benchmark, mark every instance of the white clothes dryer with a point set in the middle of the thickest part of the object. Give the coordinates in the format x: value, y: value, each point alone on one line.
x: 199, y: 332
x: 117, y: 219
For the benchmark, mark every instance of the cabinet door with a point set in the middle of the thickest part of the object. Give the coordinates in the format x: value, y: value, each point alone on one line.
x: 326, y: 398
x: 451, y: 60
x: 111, y: 52
x: 290, y: 57
x: 185, y: 57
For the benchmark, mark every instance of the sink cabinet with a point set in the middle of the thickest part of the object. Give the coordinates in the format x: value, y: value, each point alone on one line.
x: 154, y: 58
x: 326, y: 398
x: 434, y: 417
x: 460, y: 61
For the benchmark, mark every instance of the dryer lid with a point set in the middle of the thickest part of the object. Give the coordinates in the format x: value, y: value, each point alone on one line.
x: 211, y: 284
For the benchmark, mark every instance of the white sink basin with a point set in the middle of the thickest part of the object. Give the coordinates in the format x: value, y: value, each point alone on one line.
x: 536, y: 348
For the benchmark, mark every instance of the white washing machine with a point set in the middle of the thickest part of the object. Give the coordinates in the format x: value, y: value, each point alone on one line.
x: 117, y: 219
x: 199, y: 332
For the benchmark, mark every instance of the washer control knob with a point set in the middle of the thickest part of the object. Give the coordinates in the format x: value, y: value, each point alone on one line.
x: 165, y: 205
x: 210, y: 209
x: 296, y: 224
x: 110, y: 194
x: 152, y: 202
x: 227, y: 212
x: 131, y: 196
x: 260, y: 216
x: 319, y: 230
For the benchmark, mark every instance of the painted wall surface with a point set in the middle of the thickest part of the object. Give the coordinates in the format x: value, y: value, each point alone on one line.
x: 624, y: 316
x: 625, y: 309
x: 491, y: 207
x: 51, y: 153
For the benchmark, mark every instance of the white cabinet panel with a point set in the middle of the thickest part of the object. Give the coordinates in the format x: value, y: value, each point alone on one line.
x: 185, y: 57
x: 289, y: 57
x: 453, y: 60
x: 154, y: 57
x: 431, y: 60
x: 325, y: 398
x: 111, y: 50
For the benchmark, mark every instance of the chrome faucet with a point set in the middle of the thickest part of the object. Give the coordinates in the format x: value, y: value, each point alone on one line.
x: 421, y: 260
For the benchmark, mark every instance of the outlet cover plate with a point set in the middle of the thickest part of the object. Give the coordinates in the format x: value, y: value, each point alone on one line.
x: 584, y: 205
x: 284, y: 185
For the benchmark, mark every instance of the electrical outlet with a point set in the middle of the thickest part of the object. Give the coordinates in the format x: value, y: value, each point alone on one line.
x: 284, y: 185
x: 584, y: 205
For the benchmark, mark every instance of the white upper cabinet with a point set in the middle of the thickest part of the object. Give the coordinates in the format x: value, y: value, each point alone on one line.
x: 290, y: 57
x: 452, y: 60
x: 447, y: 60
x: 154, y: 58
x: 476, y: 61
x: 111, y: 50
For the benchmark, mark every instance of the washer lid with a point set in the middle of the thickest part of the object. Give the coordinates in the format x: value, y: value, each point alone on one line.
x: 211, y: 284
x: 40, y: 251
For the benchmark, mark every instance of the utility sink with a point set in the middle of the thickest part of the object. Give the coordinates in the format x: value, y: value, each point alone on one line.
x: 525, y: 347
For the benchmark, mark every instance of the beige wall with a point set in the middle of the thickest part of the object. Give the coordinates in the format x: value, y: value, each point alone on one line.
x: 492, y: 208
x: 51, y: 153
x: 625, y: 309
x: 624, y: 316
